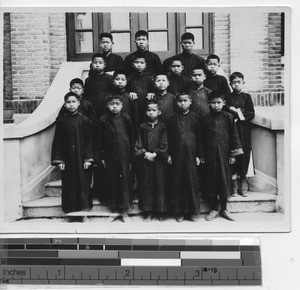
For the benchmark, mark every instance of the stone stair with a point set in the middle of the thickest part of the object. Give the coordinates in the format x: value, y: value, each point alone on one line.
x: 50, y: 204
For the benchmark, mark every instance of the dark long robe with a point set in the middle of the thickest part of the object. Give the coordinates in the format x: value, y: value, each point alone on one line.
x: 200, y: 103
x: 189, y: 61
x: 152, y: 174
x: 245, y: 103
x: 183, y: 134
x: 96, y: 88
x: 219, y: 141
x: 116, y: 147
x: 179, y: 84
x: 152, y: 59
x: 73, y: 145
x: 167, y: 105
x: 113, y: 62
x: 217, y: 83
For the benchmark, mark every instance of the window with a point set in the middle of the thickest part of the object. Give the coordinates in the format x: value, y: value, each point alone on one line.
x: 164, y: 31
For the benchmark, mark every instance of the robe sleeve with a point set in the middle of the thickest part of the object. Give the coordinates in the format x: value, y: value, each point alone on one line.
x: 235, y: 143
x: 225, y: 87
x: 248, y: 111
x: 162, y: 148
x: 157, y: 65
x: 100, y: 154
x: 89, y: 153
x: 130, y: 132
x: 57, y: 156
x: 139, y: 148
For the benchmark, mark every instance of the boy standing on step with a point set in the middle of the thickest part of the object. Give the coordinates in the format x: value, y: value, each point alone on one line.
x: 73, y: 152
x: 219, y: 144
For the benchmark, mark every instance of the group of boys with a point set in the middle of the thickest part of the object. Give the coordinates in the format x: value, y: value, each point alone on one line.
x: 155, y: 123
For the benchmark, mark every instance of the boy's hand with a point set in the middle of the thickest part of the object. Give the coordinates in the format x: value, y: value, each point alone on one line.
x: 202, y: 160
x: 103, y: 163
x: 150, y: 96
x: 62, y: 166
x: 130, y: 166
x: 87, y: 164
x: 197, y: 161
x: 150, y: 156
x: 231, y: 160
x: 133, y: 96
x: 169, y: 160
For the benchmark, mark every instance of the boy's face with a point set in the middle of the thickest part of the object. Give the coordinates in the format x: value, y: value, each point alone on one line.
x: 184, y: 102
x: 198, y: 76
x: 106, y: 44
x: 77, y: 89
x: 187, y: 45
x: 217, y: 104
x: 139, y: 64
x: 72, y: 104
x: 161, y: 82
x: 98, y: 64
x: 152, y: 112
x: 115, y: 106
x: 237, y: 84
x: 120, y: 81
x: 141, y: 42
x: 212, y: 66
x: 176, y: 67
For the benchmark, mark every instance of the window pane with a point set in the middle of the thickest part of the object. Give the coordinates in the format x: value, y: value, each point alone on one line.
x: 158, y: 41
x: 198, y: 33
x: 84, y: 42
x: 193, y: 19
x: 121, y: 42
x: 83, y: 20
x: 157, y: 21
x: 119, y: 21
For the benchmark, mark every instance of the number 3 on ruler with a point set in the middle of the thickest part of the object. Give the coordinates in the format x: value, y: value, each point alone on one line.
x: 197, y: 273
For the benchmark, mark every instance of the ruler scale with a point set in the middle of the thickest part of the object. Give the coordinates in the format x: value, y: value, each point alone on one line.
x: 92, y: 261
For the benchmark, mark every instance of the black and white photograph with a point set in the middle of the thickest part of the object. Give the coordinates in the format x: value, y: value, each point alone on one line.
x: 146, y: 120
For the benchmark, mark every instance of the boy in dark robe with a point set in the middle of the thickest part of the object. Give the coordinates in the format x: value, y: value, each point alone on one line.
x: 97, y: 85
x: 214, y: 81
x: 220, y: 144
x: 73, y: 152
x: 166, y: 101
x: 151, y: 149
x: 199, y: 93
x: 152, y: 59
x: 140, y: 88
x: 241, y: 106
x: 116, y: 147
x: 187, y: 57
x: 113, y: 61
x: 183, y: 137
x: 178, y: 81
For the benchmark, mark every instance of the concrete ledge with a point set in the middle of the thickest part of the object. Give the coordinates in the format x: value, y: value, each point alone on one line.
x: 270, y: 117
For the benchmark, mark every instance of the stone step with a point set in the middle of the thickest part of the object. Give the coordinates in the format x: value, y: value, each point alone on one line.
x: 51, y: 206
x: 53, y: 188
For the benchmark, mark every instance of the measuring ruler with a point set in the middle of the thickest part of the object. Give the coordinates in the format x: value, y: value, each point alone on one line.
x: 92, y: 261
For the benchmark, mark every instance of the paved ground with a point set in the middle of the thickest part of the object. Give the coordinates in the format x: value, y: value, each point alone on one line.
x: 244, y: 222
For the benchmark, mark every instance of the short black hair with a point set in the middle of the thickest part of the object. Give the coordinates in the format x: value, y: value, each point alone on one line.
x: 199, y: 67
x: 76, y: 81
x: 215, y: 95
x: 113, y: 97
x: 213, y: 56
x: 71, y: 94
x: 135, y: 57
x: 162, y: 74
x: 178, y: 95
x: 119, y: 72
x: 106, y: 34
x: 153, y: 101
x: 176, y: 58
x: 187, y: 35
x: 236, y: 75
x: 98, y: 55
x: 141, y: 33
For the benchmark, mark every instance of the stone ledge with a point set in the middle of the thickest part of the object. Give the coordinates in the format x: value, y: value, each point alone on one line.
x: 272, y: 118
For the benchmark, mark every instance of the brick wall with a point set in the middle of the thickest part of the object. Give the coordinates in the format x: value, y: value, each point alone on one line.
x: 221, y: 39
x: 7, y: 80
x: 58, y: 41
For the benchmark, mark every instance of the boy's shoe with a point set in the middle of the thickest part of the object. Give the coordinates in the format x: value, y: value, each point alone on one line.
x: 147, y: 217
x: 179, y: 218
x: 225, y: 214
x: 193, y: 218
x: 213, y: 214
x: 234, y: 187
x: 160, y: 216
x: 243, y: 187
x: 125, y: 218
